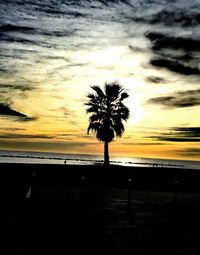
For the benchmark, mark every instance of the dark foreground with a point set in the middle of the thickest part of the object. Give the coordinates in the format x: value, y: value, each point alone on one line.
x: 92, y: 210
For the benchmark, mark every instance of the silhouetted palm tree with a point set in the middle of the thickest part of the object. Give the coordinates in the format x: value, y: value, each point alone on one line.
x: 107, y: 113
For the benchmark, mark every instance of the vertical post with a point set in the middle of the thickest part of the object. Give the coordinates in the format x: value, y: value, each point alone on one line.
x: 129, y: 194
x: 33, y: 184
x: 175, y: 191
x: 130, y: 210
x: 82, y: 188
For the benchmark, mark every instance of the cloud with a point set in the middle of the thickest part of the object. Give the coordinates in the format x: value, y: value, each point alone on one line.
x: 160, y: 41
x: 6, y: 110
x: 12, y: 129
x: 176, y: 139
x: 10, y: 39
x: 168, y: 14
x: 188, y: 131
x: 180, y: 134
x: 13, y: 28
x: 135, y: 49
x: 189, y: 152
x: 21, y: 87
x: 177, y: 54
x: 175, y: 66
x: 42, y: 145
x: 24, y: 136
x: 8, y: 30
x: 142, y: 143
x: 156, y: 79
x: 180, y: 99
x: 178, y: 17
x: 32, y: 35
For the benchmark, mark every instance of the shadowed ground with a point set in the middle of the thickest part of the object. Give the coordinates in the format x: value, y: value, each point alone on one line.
x: 68, y: 214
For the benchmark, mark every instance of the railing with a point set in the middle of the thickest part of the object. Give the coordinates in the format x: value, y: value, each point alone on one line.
x: 82, y: 183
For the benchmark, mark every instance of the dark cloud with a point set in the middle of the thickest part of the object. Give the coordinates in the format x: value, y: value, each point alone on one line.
x: 178, y: 17
x: 12, y: 129
x: 156, y: 79
x: 41, y: 145
x: 175, y: 66
x: 74, y: 14
x: 66, y: 135
x: 6, y: 110
x: 135, y: 49
x: 48, y: 10
x: 7, y: 55
x: 189, y: 152
x: 62, y: 33
x: 179, y: 99
x: 177, y: 54
x: 17, y: 39
x: 180, y: 134
x: 188, y: 131
x: 14, y: 28
x: 165, y: 13
x: 57, y: 58
x: 24, y: 136
x: 74, y: 136
x: 59, y: 9
x: 32, y: 35
x: 161, y: 41
x: 176, y: 139
x: 26, y: 119
x: 142, y: 143
x: 21, y: 87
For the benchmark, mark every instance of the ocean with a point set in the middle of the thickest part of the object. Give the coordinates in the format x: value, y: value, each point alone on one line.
x: 83, y: 159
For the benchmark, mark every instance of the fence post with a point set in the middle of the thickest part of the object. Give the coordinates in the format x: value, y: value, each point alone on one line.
x: 31, y: 192
x: 130, y: 209
x: 129, y: 193
x: 175, y: 191
x: 82, y: 188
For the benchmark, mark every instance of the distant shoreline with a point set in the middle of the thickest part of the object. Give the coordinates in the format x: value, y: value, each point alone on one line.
x: 73, y: 159
x: 7, y: 153
x: 93, y: 161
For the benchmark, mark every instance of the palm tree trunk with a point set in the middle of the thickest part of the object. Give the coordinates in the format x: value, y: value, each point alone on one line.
x: 106, y: 154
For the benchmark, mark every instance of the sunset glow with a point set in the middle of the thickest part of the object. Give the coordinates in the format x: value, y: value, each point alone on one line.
x: 52, y: 53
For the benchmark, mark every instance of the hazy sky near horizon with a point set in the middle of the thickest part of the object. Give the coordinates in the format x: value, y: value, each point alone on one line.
x: 52, y: 51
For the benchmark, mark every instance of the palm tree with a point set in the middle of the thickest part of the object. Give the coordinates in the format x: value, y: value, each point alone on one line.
x: 107, y: 113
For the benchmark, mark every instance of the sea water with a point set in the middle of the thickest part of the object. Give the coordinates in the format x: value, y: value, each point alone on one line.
x: 83, y: 159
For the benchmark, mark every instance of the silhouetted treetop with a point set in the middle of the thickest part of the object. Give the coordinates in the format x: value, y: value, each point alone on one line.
x: 107, y: 111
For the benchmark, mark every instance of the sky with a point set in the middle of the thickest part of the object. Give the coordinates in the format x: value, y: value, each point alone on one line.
x: 52, y: 51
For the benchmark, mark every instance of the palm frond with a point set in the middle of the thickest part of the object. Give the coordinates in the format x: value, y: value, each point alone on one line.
x: 113, y: 91
x: 94, y: 127
x: 97, y: 117
x: 99, y: 91
x: 93, y: 108
x: 119, y: 128
x: 124, y: 95
x: 107, y: 112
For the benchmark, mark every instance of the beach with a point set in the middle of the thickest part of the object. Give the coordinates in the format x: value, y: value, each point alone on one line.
x: 90, y: 208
